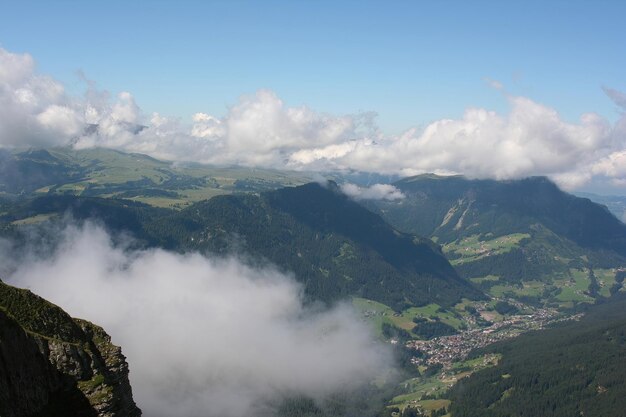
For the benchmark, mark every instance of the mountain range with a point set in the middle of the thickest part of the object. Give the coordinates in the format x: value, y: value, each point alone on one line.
x: 526, y: 238
x: 451, y: 255
x: 523, y: 240
x: 335, y: 247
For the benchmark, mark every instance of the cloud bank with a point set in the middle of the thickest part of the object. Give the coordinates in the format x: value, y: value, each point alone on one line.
x: 374, y: 192
x: 204, y: 337
x: 260, y: 130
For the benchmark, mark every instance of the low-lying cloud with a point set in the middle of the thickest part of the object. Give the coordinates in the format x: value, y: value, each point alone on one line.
x: 374, y: 192
x: 205, y: 337
x: 260, y: 130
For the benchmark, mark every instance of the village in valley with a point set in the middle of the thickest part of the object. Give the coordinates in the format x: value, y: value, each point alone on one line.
x: 447, y: 350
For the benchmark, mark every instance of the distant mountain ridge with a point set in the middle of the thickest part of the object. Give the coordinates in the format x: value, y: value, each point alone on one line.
x: 450, y: 208
x: 510, y: 231
x: 110, y: 173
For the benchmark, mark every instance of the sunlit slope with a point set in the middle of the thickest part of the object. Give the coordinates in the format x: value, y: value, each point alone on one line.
x: 109, y: 173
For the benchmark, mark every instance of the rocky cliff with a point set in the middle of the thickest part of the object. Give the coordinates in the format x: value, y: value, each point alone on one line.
x: 54, y: 365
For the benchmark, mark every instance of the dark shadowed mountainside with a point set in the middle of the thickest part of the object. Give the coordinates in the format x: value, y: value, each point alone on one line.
x: 23, y: 173
x: 615, y: 203
x: 334, y: 246
x: 505, y: 233
x: 454, y: 207
x: 53, y: 365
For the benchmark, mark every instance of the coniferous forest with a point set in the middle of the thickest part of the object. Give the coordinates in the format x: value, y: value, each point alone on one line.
x: 574, y: 369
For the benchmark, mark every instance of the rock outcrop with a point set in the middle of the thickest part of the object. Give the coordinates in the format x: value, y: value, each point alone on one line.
x: 54, y: 365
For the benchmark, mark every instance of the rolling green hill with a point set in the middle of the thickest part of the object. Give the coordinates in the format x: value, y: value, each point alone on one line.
x: 108, y: 173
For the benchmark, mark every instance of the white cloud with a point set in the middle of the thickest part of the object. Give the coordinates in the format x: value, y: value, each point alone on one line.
x: 207, y: 126
x: 204, y: 336
x: 612, y: 166
x: 34, y: 109
x: 62, y: 120
x: 374, y: 192
x: 531, y: 140
x: 260, y: 130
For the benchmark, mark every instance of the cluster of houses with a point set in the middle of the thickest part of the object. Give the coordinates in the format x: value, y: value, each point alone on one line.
x: 446, y: 350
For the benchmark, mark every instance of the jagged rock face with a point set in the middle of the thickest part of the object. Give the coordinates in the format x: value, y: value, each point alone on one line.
x: 53, y: 365
x: 28, y: 379
x: 113, y: 397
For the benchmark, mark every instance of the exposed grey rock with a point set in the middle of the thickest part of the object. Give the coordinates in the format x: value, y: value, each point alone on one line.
x: 53, y: 365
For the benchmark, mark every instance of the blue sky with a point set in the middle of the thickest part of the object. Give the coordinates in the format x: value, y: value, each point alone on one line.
x: 411, y: 62
x: 488, y: 89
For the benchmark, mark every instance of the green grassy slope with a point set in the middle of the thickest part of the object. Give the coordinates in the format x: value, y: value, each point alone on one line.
x: 39, y: 316
x: 109, y: 173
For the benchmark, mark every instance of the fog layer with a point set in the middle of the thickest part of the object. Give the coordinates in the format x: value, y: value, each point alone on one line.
x: 204, y: 336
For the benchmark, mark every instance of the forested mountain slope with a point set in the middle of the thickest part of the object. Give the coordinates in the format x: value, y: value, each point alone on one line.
x: 331, y: 244
x: 575, y: 369
x: 526, y: 238
x: 454, y: 207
